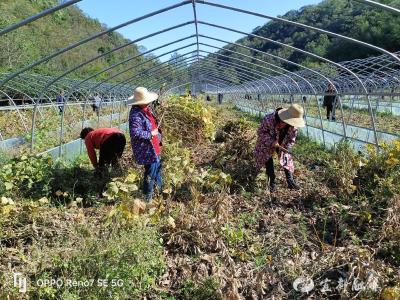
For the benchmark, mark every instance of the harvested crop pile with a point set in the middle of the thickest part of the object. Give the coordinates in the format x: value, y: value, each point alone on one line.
x: 235, y: 156
x: 188, y: 120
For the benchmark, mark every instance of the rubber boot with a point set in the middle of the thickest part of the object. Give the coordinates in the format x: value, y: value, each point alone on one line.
x: 272, y: 185
x: 290, y: 181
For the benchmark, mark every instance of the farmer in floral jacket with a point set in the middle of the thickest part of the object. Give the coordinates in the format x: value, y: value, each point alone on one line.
x: 277, y: 133
x: 145, y: 139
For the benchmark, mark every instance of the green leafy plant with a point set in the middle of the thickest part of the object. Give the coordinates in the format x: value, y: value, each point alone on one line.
x: 204, y: 290
x: 123, y: 264
x: 26, y: 176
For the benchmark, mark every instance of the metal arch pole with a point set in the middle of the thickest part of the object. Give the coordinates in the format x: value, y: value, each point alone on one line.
x: 246, y: 77
x: 273, y: 65
x: 323, y: 59
x: 147, y: 70
x: 259, y: 61
x: 249, y: 78
x: 283, y: 83
x: 157, y: 68
x: 290, y: 47
x: 213, y: 75
x: 209, y: 73
x: 263, y: 67
x: 196, y: 25
x: 106, y: 69
x: 17, y: 109
x: 156, y: 82
x: 265, y: 76
x: 176, y: 86
x: 312, y: 87
x: 147, y: 61
x: 38, y: 16
x: 274, y: 56
x: 297, y: 24
x: 119, y: 48
x: 245, y: 69
x: 142, y: 54
x: 67, y: 96
x: 163, y: 66
x: 16, y: 106
x: 380, y: 5
x: 86, y: 40
x: 300, y: 90
x: 221, y: 80
x: 331, y: 34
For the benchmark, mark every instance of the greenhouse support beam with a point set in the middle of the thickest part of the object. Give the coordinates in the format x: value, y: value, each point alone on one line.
x: 297, y: 24
x: 196, y: 27
x: 88, y: 39
x: 380, y: 5
x: 38, y: 16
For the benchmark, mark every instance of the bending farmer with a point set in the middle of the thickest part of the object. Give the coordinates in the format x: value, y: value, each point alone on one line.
x: 145, y: 139
x: 277, y: 133
x: 111, y: 143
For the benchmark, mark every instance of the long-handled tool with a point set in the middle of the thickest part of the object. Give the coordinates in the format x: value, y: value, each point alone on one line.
x: 159, y: 123
x: 286, y: 150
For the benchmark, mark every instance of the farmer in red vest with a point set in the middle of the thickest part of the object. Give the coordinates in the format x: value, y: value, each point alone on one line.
x: 111, y: 143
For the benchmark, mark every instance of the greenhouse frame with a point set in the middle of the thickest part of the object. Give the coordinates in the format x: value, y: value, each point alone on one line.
x: 370, y: 85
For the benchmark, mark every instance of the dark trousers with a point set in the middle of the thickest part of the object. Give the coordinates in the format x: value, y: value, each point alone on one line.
x: 152, y: 177
x: 329, y: 112
x: 112, y: 150
x: 271, y: 172
x: 95, y: 109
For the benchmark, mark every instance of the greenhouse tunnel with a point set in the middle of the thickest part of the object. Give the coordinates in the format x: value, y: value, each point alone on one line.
x: 262, y: 81
x: 173, y: 152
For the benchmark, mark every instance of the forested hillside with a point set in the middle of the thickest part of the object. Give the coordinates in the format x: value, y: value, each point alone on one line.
x: 345, y: 17
x: 44, y: 36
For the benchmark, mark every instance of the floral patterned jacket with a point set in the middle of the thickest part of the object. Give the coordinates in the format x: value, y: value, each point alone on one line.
x: 268, y: 134
x: 140, y: 132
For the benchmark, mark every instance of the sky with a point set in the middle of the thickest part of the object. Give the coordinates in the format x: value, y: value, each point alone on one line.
x: 115, y: 12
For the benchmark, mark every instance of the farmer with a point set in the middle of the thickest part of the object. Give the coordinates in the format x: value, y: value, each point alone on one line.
x: 145, y: 139
x: 96, y: 104
x: 329, y: 102
x: 277, y: 133
x: 111, y: 143
x: 60, y: 101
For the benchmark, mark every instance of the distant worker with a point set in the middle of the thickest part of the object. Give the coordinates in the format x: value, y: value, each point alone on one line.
x: 329, y: 102
x: 111, y: 143
x: 190, y: 94
x: 220, y: 96
x: 304, y: 99
x: 60, y: 101
x: 277, y: 133
x: 96, y: 104
x: 146, y: 139
x: 208, y: 98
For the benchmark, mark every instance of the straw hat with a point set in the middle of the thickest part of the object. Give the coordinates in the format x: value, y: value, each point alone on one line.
x: 293, y: 115
x: 142, y: 96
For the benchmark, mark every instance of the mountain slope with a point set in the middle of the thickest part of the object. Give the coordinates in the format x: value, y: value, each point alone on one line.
x: 44, y: 36
x: 340, y: 16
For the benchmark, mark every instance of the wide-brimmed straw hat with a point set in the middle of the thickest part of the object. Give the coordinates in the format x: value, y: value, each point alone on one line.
x: 293, y: 115
x: 142, y: 96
